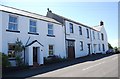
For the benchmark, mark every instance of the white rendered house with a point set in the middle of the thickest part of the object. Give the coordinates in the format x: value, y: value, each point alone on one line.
x: 49, y: 35
x: 82, y: 40
x: 41, y: 36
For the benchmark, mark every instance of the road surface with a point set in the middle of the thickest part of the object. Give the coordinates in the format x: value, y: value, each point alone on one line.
x: 105, y: 67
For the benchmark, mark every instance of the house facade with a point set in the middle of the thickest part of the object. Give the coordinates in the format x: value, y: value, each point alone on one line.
x: 44, y: 36
x: 41, y: 36
x: 82, y: 40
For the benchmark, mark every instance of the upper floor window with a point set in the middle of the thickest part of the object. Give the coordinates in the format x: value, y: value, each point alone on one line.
x: 50, y: 29
x: 93, y: 35
x: 81, y: 45
x: 102, y: 36
x: 98, y: 36
x: 51, y: 49
x: 87, y: 33
x: 71, y: 28
x: 13, y: 23
x: 80, y: 30
x: 33, y: 26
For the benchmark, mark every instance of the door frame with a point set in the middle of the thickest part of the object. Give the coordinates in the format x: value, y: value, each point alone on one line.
x: 68, y: 53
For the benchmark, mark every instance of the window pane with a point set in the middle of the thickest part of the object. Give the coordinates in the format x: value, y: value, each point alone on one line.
x: 50, y: 26
x: 71, y: 28
x: 13, y: 19
x: 50, y: 32
x: 51, y: 50
x: 33, y: 27
x: 12, y: 26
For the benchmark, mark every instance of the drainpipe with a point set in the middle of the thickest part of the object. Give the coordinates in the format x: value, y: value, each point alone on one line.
x: 65, y: 36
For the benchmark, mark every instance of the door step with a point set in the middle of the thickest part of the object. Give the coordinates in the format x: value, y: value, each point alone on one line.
x: 35, y: 64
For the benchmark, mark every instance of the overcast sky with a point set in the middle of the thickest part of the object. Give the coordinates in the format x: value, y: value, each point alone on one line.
x: 89, y: 13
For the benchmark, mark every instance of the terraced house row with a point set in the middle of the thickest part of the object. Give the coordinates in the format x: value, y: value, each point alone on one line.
x: 48, y: 35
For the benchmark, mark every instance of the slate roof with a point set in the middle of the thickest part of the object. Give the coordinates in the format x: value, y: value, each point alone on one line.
x: 93, y: 28
x: 27, y: 14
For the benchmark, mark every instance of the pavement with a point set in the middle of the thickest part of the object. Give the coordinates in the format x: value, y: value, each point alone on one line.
x: 100, y: 65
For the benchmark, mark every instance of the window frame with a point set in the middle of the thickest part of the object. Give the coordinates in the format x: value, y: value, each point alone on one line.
x: 103, y: 46
x: 32, y: 26
x: 51, y: 50
x: 11, y: 50
x: 51, y: 29
x: 102, y: 36
x: 81, y: 45
x: 88, y: 33
x: 99, y: 47
x: 71, y: 28
x: 13, y: 23
x: 80, y: 30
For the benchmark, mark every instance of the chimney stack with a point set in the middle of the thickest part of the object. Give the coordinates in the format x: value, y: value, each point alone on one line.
x: 101, y: 23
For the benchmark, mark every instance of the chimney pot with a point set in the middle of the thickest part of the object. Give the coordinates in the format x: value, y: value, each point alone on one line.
x: 101, y: 23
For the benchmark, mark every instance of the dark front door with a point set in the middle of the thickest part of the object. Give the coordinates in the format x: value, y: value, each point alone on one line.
x: 34, y: 54
x: 71, y: 50
x: 89, y: 49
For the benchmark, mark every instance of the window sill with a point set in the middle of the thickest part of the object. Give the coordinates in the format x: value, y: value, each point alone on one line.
x: 51, y: 35
x: 13, y: 31
x: 33, y: 33
x: 11, y: 58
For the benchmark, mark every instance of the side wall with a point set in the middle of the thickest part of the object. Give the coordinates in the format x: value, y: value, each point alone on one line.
x: 0, y: 31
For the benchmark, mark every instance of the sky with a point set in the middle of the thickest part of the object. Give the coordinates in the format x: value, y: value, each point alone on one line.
x: 87, y: 12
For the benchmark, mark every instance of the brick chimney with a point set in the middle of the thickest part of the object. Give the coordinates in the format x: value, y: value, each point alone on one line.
x: 101, y: 23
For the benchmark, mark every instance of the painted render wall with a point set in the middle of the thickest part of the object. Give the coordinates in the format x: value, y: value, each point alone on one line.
x: 0, y: 31
x: 42, y: 29
x: 86, y: 40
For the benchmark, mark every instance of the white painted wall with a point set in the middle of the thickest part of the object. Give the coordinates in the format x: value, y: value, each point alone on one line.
x: 85, y: 40
x: 42, y: 29
x: 0, y: 31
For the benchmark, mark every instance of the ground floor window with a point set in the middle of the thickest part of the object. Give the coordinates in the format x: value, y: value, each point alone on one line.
x: 81, y: 46
x: 51, y: 49
x: 99, y: 47
x: 11, y: 52
x: 103, y: 47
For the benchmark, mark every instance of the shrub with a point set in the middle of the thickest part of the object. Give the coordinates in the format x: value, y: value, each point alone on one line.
x: 53, y: 59
x: 5, y: 61
x: 19, y: 61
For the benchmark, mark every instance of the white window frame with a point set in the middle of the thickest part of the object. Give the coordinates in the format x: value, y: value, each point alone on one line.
x: 13, y: 23
x: 51, y: 29
x: 12, y: 51
x: 32, y: 26
x: 51, y: 50
x: 71, y: 28
x: 81, y: 45
x: 80, y: 30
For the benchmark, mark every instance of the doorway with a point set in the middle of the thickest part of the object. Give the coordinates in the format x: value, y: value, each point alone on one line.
x: 35, y: 52
x: 71, y: 49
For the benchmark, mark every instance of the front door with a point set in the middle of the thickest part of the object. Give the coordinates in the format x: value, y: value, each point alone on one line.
x: 88, y: 49
x: 71, y: 50
x: 35, y: 54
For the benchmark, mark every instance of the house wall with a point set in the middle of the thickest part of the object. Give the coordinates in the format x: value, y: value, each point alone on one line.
x: 0, y: 31
x: 93, y: 42
x: 42, y: 29
x: 78, y: 38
